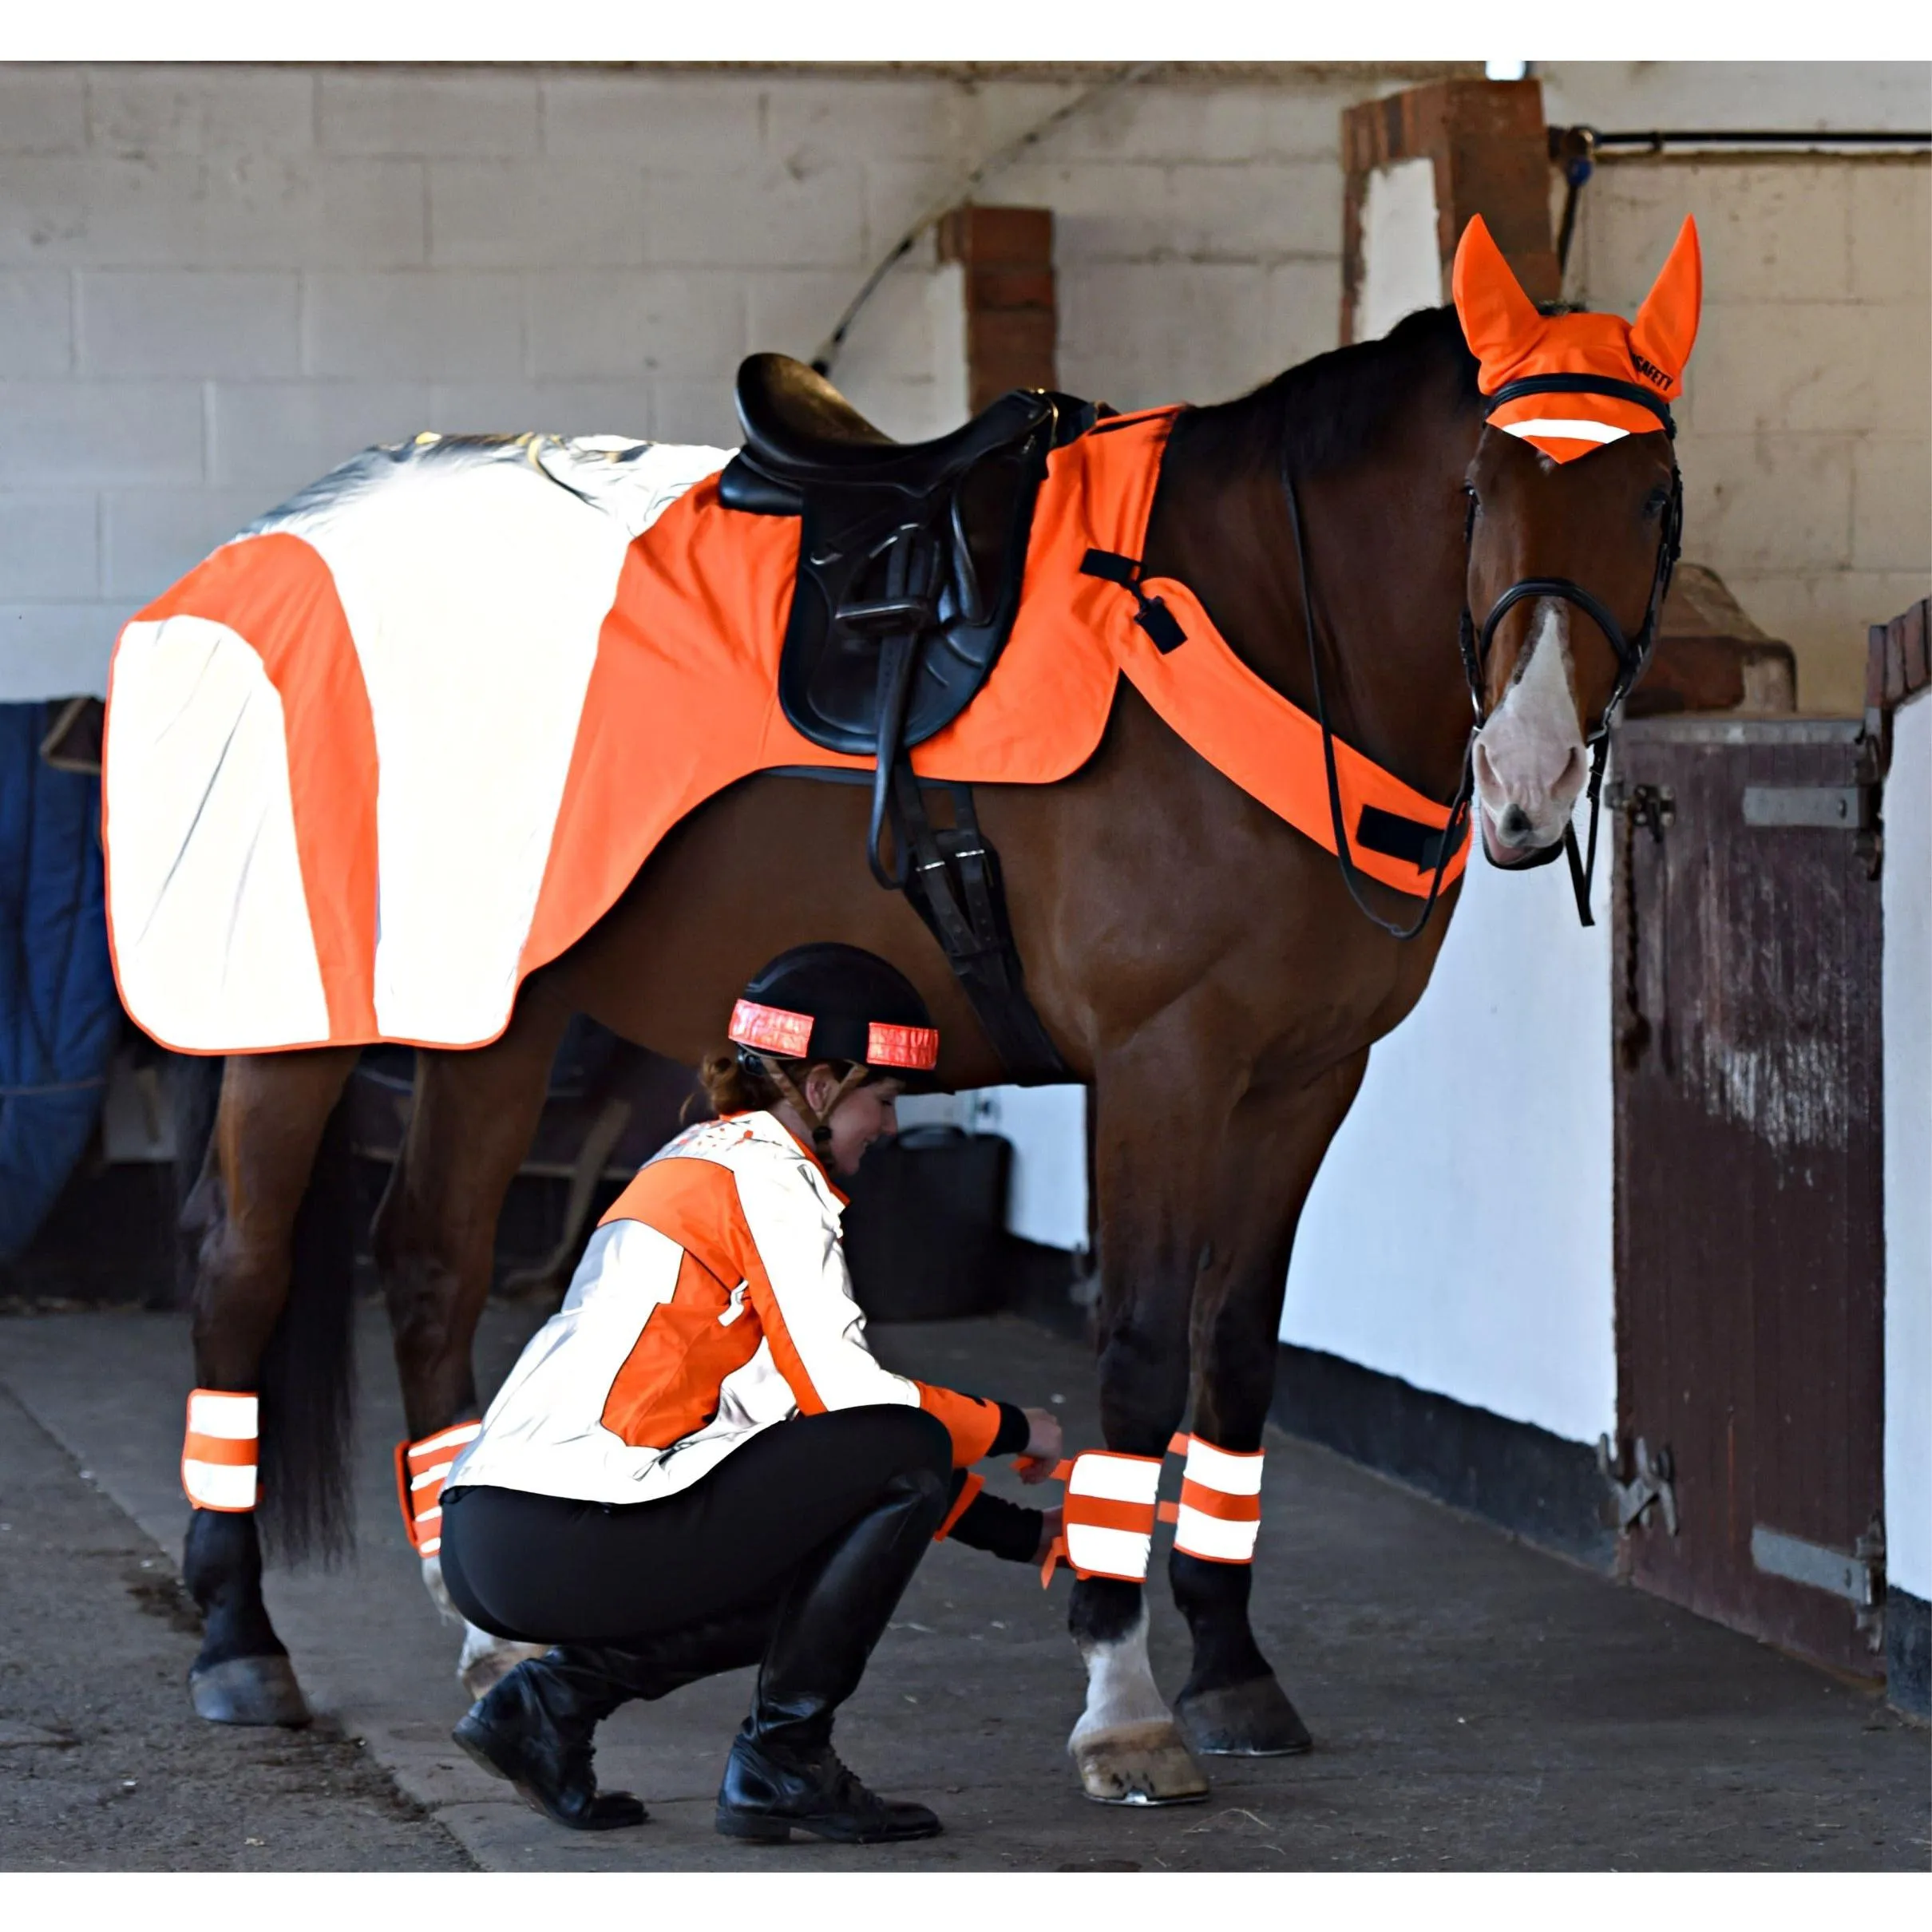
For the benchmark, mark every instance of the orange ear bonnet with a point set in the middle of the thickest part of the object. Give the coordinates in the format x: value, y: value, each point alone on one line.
x: 1622, y: 376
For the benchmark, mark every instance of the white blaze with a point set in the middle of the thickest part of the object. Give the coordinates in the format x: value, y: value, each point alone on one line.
x: 1530, y: 753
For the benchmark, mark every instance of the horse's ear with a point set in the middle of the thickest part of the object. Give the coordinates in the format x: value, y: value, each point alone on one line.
x: 1666, y: 325
x: 1499, y: 322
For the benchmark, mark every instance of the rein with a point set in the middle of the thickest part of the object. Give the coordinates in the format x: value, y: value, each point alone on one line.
x: 1451, y: 835
x: 1633, y: 654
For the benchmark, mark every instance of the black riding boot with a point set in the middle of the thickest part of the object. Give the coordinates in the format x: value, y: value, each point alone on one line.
x: 783, y: 1772
x: 534, y: 1727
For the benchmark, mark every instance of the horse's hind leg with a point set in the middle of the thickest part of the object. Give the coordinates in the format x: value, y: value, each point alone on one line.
x: 1231, y: 1703
x: 270, y: 1124
x: 435, y: 1235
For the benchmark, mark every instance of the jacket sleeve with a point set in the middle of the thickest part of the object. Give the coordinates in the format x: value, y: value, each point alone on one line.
x: 797, y: 1283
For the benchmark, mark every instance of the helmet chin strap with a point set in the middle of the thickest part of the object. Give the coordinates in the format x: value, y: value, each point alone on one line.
x: 820, y: 1124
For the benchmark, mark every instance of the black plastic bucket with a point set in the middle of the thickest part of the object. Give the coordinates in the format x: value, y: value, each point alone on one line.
x: 924, y: 1232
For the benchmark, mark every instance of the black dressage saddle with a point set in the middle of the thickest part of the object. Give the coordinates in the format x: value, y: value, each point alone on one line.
x: 899, y: 614
x: 910, y: 562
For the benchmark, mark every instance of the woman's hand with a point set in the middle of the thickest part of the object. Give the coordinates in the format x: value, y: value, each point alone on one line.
x: 1042, y: 1454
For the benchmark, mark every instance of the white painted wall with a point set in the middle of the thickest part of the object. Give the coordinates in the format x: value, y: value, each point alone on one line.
x: 217, y: 283
x: 1401, y: 266
x: 1459, y: 1235
x: 1907, y: 885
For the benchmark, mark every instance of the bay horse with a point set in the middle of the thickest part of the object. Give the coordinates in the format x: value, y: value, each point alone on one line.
x: 1208, y: 972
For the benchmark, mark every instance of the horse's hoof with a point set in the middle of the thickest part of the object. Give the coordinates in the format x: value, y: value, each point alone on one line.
x: 1254, y: 1719
x: 481, y: 1671
x: 249, y: 1690
x: 1140, y: 1763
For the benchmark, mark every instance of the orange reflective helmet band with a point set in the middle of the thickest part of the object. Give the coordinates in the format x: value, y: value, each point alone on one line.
x: 219, y: 1450
x: 421, y: 1469
x: 915, y: 1047
x: 1113, y: 1503
x: 1629, y: 372
x: 771, y: 1029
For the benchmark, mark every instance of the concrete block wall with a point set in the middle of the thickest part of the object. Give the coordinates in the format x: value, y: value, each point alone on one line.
x: 217, y: 283
x: 1806, y: 429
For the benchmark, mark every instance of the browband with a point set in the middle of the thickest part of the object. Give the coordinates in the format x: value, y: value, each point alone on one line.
x: 1584, y: 386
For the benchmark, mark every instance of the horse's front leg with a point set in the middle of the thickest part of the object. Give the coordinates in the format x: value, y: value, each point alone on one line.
x: 435, y: 1237
x: 1153, y: 1191
x: 1231, y: 1703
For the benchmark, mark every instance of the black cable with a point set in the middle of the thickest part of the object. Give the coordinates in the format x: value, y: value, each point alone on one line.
x: 1657, y: 139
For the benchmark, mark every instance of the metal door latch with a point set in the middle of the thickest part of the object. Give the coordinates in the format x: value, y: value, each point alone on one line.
x: 1651, y: 806
x: 1650, y: 1483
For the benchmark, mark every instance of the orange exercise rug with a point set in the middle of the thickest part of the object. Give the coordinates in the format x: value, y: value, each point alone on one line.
x: 411, y: 736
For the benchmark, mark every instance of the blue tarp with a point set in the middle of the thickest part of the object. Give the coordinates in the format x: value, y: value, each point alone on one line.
x: 60, y: 1017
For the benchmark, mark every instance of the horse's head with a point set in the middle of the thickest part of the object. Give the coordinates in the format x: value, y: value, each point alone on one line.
x: 1575, y: 502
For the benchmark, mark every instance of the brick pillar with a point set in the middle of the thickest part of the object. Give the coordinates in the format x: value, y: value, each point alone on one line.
x: 1011, y: 323
x: 1489, y: 155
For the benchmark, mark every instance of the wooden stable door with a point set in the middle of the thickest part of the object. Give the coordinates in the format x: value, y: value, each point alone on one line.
x: 1749, y: 1213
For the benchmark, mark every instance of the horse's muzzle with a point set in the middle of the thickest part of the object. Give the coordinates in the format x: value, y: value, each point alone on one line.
x: 1519, y: 853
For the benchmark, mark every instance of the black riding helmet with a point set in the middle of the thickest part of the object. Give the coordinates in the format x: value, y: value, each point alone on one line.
x: 839, y: 1003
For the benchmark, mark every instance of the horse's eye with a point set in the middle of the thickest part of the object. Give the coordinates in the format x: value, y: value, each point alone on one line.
x: 1654, y: 503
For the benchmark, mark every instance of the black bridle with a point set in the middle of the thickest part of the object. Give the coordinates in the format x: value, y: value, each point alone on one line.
x: 1633, y: 654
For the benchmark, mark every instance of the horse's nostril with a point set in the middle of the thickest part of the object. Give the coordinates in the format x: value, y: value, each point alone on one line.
x: 1514, y: 822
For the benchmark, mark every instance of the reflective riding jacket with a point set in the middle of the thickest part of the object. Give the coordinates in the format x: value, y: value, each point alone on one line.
x: 712, y: 1302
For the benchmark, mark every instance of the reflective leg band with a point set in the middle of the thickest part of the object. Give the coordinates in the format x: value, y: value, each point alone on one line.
x: 1108, y: 1522
x: 421, y: 1469
x: 218, y: 1452
x: 1220, y: 1503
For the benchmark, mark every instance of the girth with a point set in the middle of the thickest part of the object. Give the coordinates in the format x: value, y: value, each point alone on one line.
x: 897, y: 619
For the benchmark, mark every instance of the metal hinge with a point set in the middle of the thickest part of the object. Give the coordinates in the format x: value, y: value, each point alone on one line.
x: 1830, y: 807
x: 1859, y: 1578
x: 1840, y: 807
x: 1651, y: 1481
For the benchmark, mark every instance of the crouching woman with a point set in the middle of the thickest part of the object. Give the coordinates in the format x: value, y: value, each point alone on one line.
x: 698, y: 1464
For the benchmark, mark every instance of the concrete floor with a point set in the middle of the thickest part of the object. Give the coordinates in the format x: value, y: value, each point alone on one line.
x: 1475, y: 1703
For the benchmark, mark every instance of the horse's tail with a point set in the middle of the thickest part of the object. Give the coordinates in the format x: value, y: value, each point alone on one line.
x: 307, y: 1378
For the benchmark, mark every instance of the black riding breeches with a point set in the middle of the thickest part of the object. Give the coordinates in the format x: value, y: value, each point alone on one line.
x: 548, y: 1569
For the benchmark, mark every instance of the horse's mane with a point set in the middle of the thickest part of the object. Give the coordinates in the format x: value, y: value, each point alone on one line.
x: 1332, y: 409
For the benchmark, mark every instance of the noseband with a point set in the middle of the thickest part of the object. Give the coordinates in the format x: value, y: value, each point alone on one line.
x: 1633, y: 654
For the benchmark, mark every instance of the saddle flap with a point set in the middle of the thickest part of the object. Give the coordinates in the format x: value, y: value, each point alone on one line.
x: 874, y: 568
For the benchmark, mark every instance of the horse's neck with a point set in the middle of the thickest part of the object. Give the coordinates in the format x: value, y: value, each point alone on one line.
x: 1384, y: 546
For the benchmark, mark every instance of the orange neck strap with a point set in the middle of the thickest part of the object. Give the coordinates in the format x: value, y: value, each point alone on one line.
x: 1167, y: 647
